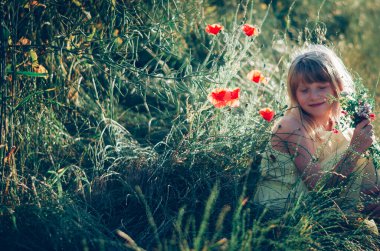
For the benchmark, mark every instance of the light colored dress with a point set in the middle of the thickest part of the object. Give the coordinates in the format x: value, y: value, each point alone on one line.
x: 280, y: 184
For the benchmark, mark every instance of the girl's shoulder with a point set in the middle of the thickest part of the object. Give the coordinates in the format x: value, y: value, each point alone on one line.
x: 287, y: 124
x: 287, y: 133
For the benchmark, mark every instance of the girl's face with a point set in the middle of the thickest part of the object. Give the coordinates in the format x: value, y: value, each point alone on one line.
x: 313, y: 100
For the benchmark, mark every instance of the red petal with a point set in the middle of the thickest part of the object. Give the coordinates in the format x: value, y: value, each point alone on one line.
x: 213, y: 28
x: 221, y: 104
x: 234, y: 103
x: 250, y: 30
x: 372, y: 116
x: 256, y: 79
x: 256, y: 76
x: 267, y: 114
x: 220, y: 95
x: 235, y: 93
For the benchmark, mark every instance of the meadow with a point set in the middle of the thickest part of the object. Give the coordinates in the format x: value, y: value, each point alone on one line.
x: 111, y: 138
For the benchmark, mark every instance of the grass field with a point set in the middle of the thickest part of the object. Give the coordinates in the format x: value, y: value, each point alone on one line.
x: 110, y: 140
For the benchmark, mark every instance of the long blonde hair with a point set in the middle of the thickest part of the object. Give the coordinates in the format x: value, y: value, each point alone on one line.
x: 317, y: 63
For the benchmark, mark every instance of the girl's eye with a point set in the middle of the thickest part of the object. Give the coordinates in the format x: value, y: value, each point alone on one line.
x: 304, y: 91
x: 322, y: 88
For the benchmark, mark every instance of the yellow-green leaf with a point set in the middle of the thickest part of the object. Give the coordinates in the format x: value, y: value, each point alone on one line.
x: 41, y: 69
x: 77, y: 3
x: 34, y: 57
x: 30, y: 4
x: 118, y: 40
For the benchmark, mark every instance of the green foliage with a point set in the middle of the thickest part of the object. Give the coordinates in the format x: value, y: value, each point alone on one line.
x: 57, y: 225
x: 106, y: 105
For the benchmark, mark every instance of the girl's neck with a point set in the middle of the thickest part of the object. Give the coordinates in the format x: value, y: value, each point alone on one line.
x: 327, y: 124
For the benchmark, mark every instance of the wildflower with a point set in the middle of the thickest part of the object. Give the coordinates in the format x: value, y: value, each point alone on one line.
x: 222, y: 97
x: 250, y: 30
x: 267, y: 114
x: 334, y: 130
x: 363, y: 111
x: 372, y: 116
x: 344, y: 112
x: 257, y: 77
x: 214, y: 29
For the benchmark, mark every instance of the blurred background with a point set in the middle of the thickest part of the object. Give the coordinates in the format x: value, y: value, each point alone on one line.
x: 349, y: 26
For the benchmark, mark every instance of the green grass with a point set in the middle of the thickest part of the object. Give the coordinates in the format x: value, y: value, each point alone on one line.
x: 119, y: 148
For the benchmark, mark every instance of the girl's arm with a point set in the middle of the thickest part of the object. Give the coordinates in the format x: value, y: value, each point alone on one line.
x: 371, y: 187
x: 292, y: 138
x: 371, y: 179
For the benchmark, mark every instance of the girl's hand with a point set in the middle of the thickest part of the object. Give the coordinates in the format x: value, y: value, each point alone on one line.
x: 363, y: 137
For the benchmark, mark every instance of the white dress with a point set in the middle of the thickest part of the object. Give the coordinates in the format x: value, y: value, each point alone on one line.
x: 280, y: 184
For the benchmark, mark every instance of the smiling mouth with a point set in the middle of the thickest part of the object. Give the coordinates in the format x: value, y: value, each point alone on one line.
x: 318, y: 104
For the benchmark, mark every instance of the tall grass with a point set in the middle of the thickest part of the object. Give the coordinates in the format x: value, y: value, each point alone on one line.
x: 117, y: 146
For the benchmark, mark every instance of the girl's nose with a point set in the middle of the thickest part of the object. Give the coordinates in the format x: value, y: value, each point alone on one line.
x: 314, y: 94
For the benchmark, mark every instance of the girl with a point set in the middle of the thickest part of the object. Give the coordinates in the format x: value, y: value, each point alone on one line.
x: 305, y: 147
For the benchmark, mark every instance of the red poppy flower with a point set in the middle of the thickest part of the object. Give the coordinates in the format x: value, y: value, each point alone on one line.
x: 372, y: 116
x: 222, y: 97
x: 214, y: 28
x: 250, y: 30
x: 267, y: 114
x: 334, y: 130
x: 344, y: 112
x: 257, y: 77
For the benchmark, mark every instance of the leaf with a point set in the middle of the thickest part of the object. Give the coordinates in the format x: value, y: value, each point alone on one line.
x: 90, y: 37
x: 24, y: 41
x: 31, y: 4
x: 4, y: 32
x: 42, y: 70
x: 9, y: 154
x: 87, y: 13
x: 116, y: 32
x: 30, y: 74
x: 27, y: 98
x: 118, y: 41
x: 73, y: 95
x: 77, y: 3
x: 8, y: 68
x: 34, y: 58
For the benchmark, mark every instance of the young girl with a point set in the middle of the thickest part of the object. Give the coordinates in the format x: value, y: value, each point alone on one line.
x: 305, y: 147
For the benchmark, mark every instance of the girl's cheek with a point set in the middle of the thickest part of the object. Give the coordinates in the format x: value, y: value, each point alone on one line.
x: 325, y: 92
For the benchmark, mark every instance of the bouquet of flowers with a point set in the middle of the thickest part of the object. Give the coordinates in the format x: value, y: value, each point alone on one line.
x: 356, y: 107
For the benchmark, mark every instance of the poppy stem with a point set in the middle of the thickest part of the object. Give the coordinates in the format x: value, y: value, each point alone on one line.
x: 208, y: 54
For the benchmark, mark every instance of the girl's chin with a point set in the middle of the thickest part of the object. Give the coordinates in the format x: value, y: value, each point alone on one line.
x: 319, y: 110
